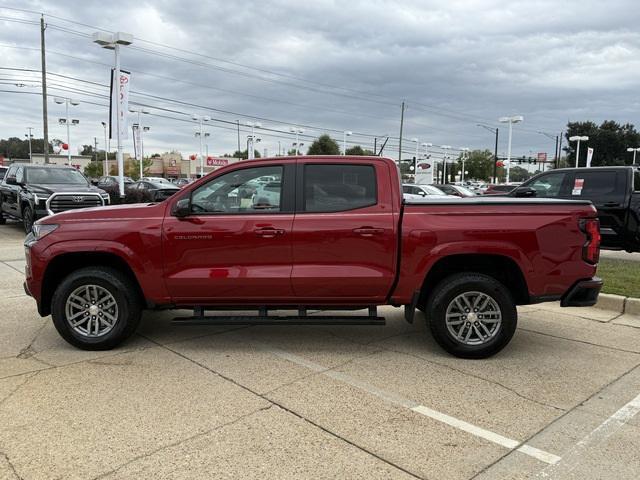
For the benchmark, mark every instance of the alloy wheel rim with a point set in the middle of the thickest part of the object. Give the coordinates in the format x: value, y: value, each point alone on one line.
x: 91, y: 311
x: 473, y: 318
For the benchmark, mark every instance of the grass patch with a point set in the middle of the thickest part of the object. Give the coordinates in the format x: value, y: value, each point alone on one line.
x: 621, y: 277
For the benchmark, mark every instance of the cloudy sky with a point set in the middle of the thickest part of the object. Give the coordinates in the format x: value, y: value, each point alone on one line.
x: 328, y: 66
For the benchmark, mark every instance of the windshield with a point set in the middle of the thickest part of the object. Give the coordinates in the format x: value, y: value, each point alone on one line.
x: 432, y: 190
x: 60, y: 176
x: 465, y: 190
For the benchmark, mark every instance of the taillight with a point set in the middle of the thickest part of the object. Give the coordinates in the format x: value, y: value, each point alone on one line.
x: 591, y: 249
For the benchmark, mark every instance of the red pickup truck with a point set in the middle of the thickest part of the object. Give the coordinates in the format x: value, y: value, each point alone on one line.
x: 313, y: 233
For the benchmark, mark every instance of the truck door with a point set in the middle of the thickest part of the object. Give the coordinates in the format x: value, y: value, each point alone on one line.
x: 608, y: 190
x: 344, y: 232
x: 633, y: 218
x: 235, y: 246
x: 11, y: 191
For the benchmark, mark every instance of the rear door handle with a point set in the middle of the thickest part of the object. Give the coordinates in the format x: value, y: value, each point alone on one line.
x: 368, y: 231
x: 268, y: 232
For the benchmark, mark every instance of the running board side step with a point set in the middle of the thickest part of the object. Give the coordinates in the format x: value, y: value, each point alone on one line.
x: 273, y: 320
x: 263, y: 318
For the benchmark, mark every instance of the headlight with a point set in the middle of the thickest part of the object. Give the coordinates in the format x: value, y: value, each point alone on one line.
x: 40, y: 198
x: 106, y: 197
x: 41, y: 230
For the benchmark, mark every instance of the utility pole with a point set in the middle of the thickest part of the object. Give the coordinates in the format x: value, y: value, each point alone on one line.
x: 45, y: 123
x: 375, y: 144
x: 401, y: 126
x: 555, y: 160
x: 495, y: 160
x: 559, y: 149
x: 95, y: 148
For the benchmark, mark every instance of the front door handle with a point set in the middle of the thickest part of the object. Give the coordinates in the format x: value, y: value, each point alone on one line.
x: 368, y: 231
x: 611, y: 204
x: 268, y: 232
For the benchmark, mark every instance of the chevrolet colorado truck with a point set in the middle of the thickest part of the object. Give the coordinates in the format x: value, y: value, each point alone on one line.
x: 331, y: 234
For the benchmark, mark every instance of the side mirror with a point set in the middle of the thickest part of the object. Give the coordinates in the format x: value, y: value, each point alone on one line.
x: 524, y: 192
x: 11, y: 181
x: 423, y: 193
x: 182, y: 208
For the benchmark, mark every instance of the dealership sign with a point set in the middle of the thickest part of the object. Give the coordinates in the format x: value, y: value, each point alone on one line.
x: 424, y: 172
x: 119, y: 94
x: 217, y: 162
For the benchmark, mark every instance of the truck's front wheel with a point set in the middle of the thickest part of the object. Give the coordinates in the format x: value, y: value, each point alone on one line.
x: 471, y: 315
x: 96, y: 308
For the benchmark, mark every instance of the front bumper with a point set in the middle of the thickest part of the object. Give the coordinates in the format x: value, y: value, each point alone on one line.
x: 583, y: 294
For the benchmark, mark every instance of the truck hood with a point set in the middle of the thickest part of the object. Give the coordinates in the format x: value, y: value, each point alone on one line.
x: 109, y: 213
x: 49, y: 188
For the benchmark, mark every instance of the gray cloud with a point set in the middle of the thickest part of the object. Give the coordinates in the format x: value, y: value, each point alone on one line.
x: 456, y: 63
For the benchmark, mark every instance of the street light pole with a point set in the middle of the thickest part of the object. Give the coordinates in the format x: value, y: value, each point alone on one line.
x: 444, y: 162
x: 297, y: 131
x: 113, y: 42
x: 578, y: 138
x: 510, y: 120
x: 465, y: 152
x: 634, y: 150
x: 141, y: 130
x: 346, y: 134
x: 251, y: 151
x: 30, y: 136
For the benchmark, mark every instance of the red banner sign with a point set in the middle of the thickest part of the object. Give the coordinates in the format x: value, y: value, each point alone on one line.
x: 217, y: 162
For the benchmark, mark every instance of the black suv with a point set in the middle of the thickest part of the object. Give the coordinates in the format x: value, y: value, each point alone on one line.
x: 614, y: 191
x: 29, y: 192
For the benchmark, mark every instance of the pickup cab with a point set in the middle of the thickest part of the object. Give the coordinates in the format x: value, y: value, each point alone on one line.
x: 614, y: 191
x: 332, y: 234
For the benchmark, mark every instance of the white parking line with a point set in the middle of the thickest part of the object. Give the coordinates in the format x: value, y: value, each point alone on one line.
x: 390, y: 397
x: 607, y: 428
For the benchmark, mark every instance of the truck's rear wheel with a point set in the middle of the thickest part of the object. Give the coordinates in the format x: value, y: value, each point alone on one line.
x: 472, y: 315
x: 96, y: 309
x: 28, y: 218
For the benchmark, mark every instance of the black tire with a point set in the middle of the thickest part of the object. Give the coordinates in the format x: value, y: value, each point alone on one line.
x: 27, y: 218
x: 123, y: 292
x: 2, y: 219
x: 443, y: 297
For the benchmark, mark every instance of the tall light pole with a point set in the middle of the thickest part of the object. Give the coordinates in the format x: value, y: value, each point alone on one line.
x: 465, y: 153
x: 415, y: 159
x: 201, y: 119
x: 510, y: 120
x: 297, y: 131
x: 634, y: 150
x: 113, y: 42
x: 578, y: 138
x: 446, y: 148
x: 30, y: 136
x: 141, y: 130
x: 345, y: 134
x: 251, y: 143
x: 66, y: 121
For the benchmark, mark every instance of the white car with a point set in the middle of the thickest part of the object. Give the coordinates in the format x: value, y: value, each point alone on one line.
x: 423, y: 191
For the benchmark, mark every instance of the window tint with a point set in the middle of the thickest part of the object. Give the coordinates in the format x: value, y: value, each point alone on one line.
x: 548, y: 185
x: 597, y: 185
x: 636, y: 181
x: 242, y: 191
x: 335, y: 188
x: 20, y: 175
x: 11, y: 173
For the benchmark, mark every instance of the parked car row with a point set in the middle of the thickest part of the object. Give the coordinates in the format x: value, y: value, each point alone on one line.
x: 29, y: 192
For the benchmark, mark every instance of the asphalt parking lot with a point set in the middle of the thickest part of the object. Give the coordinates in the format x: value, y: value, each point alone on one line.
x: 315, y: 402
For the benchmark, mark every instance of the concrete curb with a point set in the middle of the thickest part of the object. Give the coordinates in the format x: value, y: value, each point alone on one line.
x: 619, y: 304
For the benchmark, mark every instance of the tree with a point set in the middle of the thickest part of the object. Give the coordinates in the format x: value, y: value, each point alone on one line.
x: 94, y: 170
x: 15, y: 147
x: 519, y: 174
x: 244, y: 154
x: 479, y: 164
x: 132, y: 168
x: 358, y: 150
x: 324, y: 145
x: 609, y: 141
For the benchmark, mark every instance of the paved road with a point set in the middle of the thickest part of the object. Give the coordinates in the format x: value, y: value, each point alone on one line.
x: 560, y: 402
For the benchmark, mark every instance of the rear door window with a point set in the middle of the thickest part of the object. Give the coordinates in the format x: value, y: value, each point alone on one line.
x: 339, y: 187
x: 636, y: 181
x: 599, y: 186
